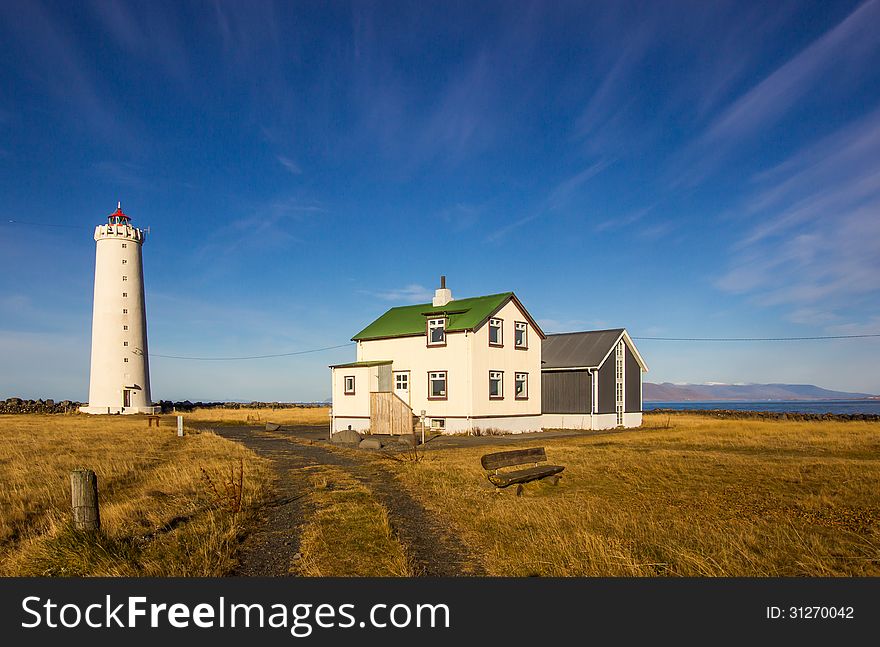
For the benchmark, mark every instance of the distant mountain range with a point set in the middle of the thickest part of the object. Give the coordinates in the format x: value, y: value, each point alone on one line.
x: 668, y: 392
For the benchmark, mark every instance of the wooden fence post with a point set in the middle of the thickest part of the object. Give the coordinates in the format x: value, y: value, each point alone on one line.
x: 84, y: 500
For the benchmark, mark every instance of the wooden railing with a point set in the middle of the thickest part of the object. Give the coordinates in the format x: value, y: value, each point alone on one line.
x: 389, y: 414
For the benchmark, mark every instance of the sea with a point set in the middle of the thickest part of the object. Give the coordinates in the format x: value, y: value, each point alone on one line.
x: 777, y: 406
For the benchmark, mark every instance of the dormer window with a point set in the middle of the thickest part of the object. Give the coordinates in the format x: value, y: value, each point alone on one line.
x: 495, y: 332
x: 436, y: 332
x: 520, y: 334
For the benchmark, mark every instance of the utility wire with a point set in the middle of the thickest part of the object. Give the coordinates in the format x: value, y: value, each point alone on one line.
x: 758, y: 338
x: 39, y: 224
x: 722, y: 339
x: 226, y: 359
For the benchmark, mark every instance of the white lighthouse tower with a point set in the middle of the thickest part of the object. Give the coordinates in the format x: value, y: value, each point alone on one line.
x: 120, y: 373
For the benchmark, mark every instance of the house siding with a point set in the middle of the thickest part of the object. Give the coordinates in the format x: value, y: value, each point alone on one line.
x: 633, y: 372
x: 467, y: 359
x: 566, y: 392
x: 509, y: 360
x: 606, y: 385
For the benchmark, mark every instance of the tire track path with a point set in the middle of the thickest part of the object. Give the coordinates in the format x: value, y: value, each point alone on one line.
x: 432, y: 547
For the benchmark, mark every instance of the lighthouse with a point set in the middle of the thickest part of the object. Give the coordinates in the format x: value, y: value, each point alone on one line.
x: 119, y: 381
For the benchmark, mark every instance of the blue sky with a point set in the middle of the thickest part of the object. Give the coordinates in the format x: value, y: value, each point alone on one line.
x: 681, y: 169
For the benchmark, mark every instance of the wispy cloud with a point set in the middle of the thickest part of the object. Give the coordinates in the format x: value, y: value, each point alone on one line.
x: 149, y: 31
x: 764, y: 104
x: 625, y: 220
x: 815, y: 245
x: 122, y: 174
x: 290, y: 165
x: 571, y: 325
x: 557, y: 198
x: 267, y: 224
x: 851, y: 42
x: 58, y: 65
x: 562, y: 193
x: 412, y: 293
x: 464, y: 112
x: 461, y: 217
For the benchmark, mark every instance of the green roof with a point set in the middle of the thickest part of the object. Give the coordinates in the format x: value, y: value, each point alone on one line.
x: 461, y: 314
x: 376, y: 362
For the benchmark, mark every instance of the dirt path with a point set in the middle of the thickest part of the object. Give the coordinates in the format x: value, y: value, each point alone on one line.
x: 433, y: 549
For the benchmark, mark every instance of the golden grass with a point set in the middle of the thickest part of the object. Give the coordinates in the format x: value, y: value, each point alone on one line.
x: 159, y: 518
x: 349, y: 533
x: 287, y: 416
x: 704, y: 497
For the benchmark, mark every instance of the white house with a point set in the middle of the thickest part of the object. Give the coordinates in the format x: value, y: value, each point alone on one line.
x: 478, y: 363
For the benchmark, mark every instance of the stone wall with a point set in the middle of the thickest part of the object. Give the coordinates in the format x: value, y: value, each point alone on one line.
x: 17, y: 405
x: 767, y: 415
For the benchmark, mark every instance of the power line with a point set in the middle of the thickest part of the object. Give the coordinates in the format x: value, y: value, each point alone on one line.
x: 39, y: 224
x: 709, y: 339
x: 227, y: 359
x: 758, y: 338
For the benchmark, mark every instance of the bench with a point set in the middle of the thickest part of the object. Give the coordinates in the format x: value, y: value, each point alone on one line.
x: 150, y: 420
x: 534, y: 455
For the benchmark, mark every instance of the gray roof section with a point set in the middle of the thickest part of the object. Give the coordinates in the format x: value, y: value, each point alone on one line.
x: 583, y: 349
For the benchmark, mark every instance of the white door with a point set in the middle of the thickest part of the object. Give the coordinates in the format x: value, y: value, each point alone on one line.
x: 401, y: 385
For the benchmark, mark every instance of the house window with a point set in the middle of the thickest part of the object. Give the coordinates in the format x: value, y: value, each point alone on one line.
x: 495, y: 337
x: 349, y: 385
x: 520, y: 337
x: 436, y: 332
x: 437, y: 385
x: 438, y: 423
x: 521, y: 386
x: 401, y: 381
x: 496, y: 379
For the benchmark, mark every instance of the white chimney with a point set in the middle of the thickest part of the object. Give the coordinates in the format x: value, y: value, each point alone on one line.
x: 442, y: 295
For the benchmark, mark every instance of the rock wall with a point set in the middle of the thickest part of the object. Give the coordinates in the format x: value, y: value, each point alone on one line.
x: 767, y: 415
x: 17, y: 405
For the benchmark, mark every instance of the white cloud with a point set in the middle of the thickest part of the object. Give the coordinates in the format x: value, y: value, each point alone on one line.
x: 815, y: 245
x: 412, y: 293
x: 290, y: 165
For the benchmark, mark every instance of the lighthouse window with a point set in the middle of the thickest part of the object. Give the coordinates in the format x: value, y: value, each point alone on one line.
x: 125, y: 327
x: 124, y: 245
x: 125, y: 359
x: 124, y: 278
x: 125, y: 343
x: 124, y: 261
x: 125, y: 294
x: 125, y: 311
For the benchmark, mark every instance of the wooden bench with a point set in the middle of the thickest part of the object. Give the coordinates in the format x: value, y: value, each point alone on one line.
x: 534, y: 455
x: 150, y: 420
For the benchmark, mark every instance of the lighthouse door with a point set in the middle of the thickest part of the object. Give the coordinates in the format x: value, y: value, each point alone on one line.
x: 126, y: 397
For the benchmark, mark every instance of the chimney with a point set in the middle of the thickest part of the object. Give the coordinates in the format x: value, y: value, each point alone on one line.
x: 443, y: 295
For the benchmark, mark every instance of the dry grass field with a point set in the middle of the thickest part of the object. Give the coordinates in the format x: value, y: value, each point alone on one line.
x: 159, y: 514
x: 685, y: 495
x: 349, y: 534
x: 286, y: 416
x: 703, y: 497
